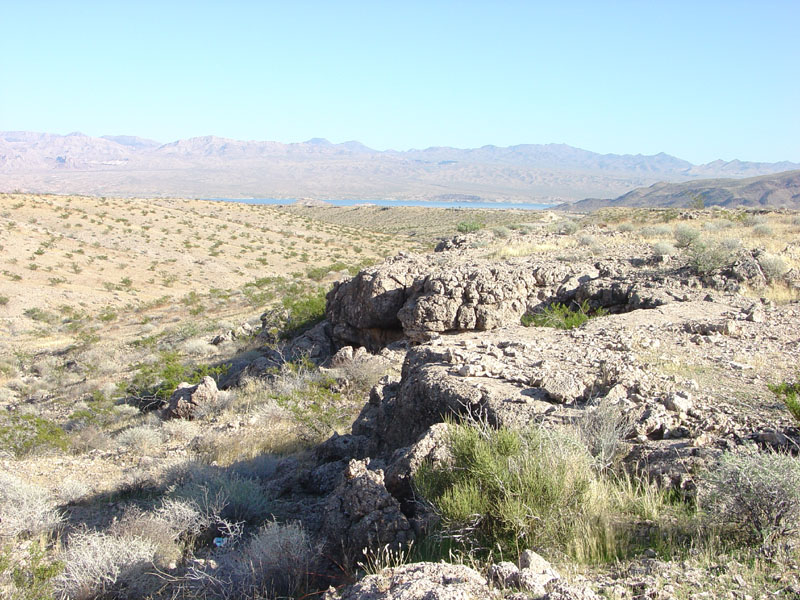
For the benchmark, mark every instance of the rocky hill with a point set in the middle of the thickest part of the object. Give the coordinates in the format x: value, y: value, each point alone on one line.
x: 210, y: 166
x: 781, y: 190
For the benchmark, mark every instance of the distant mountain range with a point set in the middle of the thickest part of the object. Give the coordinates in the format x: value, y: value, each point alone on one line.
x: 211, y: 166
x: 781, y: 190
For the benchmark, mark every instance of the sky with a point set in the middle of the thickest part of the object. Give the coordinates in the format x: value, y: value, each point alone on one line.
x: 700, y: 80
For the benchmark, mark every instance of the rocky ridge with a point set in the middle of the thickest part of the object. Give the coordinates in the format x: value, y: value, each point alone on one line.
x: 453, y: 319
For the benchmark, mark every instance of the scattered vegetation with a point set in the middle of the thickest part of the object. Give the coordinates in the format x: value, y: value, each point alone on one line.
x: 561, y: 316
x: 789, y: 393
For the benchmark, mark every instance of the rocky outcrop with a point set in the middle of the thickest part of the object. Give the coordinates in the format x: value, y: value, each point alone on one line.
x: 361, y: 513
x: 417, y: 297
x: 434, y: 581
x: 533, y: 579
x: 187, y: 399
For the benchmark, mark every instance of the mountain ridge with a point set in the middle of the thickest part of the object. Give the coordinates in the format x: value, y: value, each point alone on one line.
x: 213, y: 166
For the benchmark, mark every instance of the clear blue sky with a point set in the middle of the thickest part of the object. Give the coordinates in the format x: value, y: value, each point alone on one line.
x: 699, y: 80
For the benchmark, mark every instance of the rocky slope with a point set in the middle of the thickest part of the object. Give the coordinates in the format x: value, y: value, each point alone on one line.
x: 781, y: 190
x: 678, y: 354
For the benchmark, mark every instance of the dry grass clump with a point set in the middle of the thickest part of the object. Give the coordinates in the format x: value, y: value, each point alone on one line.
x: 273, y: 563
x: 25, y: 509
x: 97, y: 563
x: 141, y: 439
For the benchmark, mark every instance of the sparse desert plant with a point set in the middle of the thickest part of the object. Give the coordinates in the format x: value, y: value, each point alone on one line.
x: 469, y: 226
x: 96, y: 564
x: 773, y: 267
x: 275, y: 562
x: 602, y: 427
x: 664, y: 249
x: 756, y: 493
x: 141, y: 439
x: 762, y: 230
x: 22, y: 434
x: 3, y: 300
x: 566, y: 227
x: 656, y: 231
x: 789, y: 393
x: 362, y: 373
x: 561, y: 316
x: 536, y: 486
x: 218, y: 492
x: 501, y: 232
x: 625, y: 227
x: 685, y: 236
x: 707, y: 258
x: 25, y: 509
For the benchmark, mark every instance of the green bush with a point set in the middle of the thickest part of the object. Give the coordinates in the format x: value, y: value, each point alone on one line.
x: 26, y: 434
x: 534, y: 488
x: 561, y: 316
x: 3, y: 300
x: 707, y: 258
x: 789, y: 392
x: 154, y: 383
x: 304, y: 310
x: 469, y: 226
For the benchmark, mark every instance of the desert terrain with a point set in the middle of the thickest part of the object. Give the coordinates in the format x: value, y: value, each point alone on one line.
x: 359, y: 381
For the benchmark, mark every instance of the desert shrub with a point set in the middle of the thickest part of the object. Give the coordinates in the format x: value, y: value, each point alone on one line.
x: 25, y: 509
x: 304, y: 310
x: 788, y: 392
x: 534, y: 488
x: 217, y: 492
x: 685, y: 236
x: 96, y: 564
x: 273, y: 563
x: 796, y: 220
x: 763, y: 230
x: 656, y: 231
x: 361, y: 373
x: 3, y: 300
x: 469, y: 226
x: 626, y: 228
x: 706, y: 258
x: 141, y: 439
x: 664, y: 249
x: 28, y: 576
x: 755, y: 493
x: 561, y: 316
x: 602, y: 428
x: 154, y: 382
x: 566, y: 227
x: 27, y: 434
x: 773, y: 267
x: 172, y: 527
x: 501, y: 232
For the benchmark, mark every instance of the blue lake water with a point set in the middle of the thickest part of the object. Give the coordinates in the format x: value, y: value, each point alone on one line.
x: 430, y: 203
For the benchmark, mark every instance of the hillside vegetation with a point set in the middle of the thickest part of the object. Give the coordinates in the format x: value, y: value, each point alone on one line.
x: 558, y: 405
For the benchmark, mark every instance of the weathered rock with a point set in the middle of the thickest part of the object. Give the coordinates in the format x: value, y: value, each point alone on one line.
x: 187, y: 399
x: 504, y: 574
x: 431, y: 448
x: 361, y: 513
x: 315, y: 344
x: 429, y: 581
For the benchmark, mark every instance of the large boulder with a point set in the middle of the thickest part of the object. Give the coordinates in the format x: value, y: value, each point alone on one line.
x: 188, y: 399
